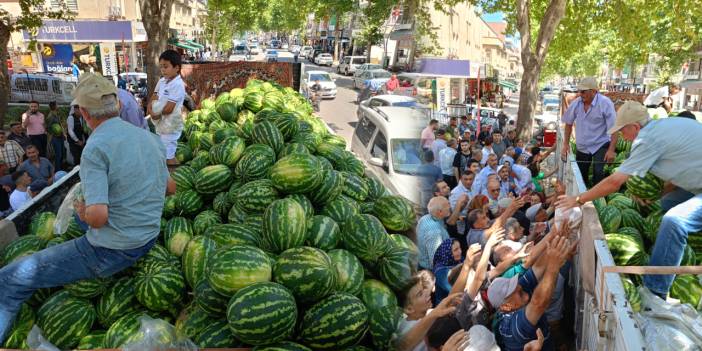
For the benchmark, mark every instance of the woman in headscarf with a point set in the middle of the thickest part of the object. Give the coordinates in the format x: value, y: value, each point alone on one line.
x: 448, y: 255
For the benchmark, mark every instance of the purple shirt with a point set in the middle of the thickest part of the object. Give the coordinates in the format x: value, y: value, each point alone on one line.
x: 591, y: 126
x: 131, y: 111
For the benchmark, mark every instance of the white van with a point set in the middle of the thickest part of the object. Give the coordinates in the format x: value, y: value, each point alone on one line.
x: 350, y: 64
x: 42, y: 88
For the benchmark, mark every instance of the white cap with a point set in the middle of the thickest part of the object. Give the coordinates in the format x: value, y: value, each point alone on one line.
x: 500, y: 289
x: 532, y: 211
x: 588, y: 83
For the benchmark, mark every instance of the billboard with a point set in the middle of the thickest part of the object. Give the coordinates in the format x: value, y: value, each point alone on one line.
x: 57, y: 58
x: 108, y: 57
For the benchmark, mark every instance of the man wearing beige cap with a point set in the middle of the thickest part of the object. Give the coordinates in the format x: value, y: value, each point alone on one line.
x: 593, y: 115
x: 669, y: 149
x: 124, y: 178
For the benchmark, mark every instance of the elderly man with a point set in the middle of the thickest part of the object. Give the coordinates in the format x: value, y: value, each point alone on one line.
x: 481, y: 180
x: 431, y: 230
x: 124, y: 216
x: 38, y: 167
x: 593, y: 114
x: 11, y: 152
x: 667, y: 148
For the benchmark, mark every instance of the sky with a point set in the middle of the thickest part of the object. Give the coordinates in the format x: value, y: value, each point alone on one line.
x: 494, y: 17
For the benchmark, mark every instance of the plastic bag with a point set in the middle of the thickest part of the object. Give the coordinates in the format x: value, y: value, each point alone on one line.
x: 36, y: 341
x: 574, y: 216
x: 64, y: 215
x: 481, y: 339
x: 157, y: 334
x: 666, y: 326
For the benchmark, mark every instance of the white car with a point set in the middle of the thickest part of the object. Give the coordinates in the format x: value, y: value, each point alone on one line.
x: 305, y: 50
x: 386, y: 140
x: 349, y: 64
x: 389, y: 100
x: 284, y: 46
x: 359, y: 80
x: 327, y: 83
x: 366, y: 67
x: 324, y: 59
x: 271, y: 55
x: 237, y: 57
x: 295, y: 49
x: 253, y: 48
x: 549, y: 114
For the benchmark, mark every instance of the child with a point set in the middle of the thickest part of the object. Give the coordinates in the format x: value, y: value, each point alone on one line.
x: 167, y: 102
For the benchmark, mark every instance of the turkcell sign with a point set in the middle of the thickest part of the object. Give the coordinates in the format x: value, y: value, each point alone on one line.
x: 56, y: 31
x: 57, y: 58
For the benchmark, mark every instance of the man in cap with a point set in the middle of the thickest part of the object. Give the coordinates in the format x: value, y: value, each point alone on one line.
x: 521, y: 301
x: 593, y: 114
x: 123, y: 214
x: 667, y: 148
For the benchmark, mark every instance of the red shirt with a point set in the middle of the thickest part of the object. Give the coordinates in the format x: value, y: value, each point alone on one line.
x: 392, y: 84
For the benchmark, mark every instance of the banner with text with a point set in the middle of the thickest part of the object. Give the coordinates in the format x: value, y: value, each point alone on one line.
x: 108, y: 58
x: 443, y: 92
x: 57, y: 58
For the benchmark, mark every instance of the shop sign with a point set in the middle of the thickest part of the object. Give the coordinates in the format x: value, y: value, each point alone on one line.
x: 57, y: 58
x: 81, y: 31
x: 443, y: 91
x: 108, y: 56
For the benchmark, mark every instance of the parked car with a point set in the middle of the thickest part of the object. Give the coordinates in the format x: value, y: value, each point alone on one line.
x: 549, y: 113
x: 253, y: 48
x: 42, y: 88
x: 295, y: 49
x: 325, y: 80
x: 285, y: 46
x: 390, y: 100
x: 359, y: 81
x: 240, y: 50
x: 349, y: 64
x: 271, y: 55
x: 324, y: 59
x: 415, y: 85
x: 313, y: 54
x: 236, y: 58
x: 274, y: 44
x: 305, y: 51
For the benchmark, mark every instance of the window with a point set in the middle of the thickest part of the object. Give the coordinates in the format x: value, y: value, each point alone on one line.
x: 38, y: 84
x: 380, y: 147
x: 71, y: 5
x: 377, y: 102
x: 405, y: 156
x: 21, y: 84
x: 56, y: 86
x: 364, y: 130
x: 359, y: 60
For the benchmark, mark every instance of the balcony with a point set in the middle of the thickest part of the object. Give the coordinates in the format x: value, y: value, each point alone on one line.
x: 693, y: 75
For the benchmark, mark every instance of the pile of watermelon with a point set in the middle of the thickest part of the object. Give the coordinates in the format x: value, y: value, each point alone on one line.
x: 631, y: 229
x: 275, y: 239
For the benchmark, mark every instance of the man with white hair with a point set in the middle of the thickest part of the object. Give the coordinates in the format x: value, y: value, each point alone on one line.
x: 431, y: 230
x: 123, y: 214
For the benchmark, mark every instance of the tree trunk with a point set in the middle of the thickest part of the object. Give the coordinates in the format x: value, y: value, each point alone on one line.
x: 528, y: 96
x: 4, y: 75
x: 155, y: 14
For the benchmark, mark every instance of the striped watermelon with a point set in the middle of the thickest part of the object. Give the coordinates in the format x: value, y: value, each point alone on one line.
x: 651, y: 225
x: 396, y: 267
x: 349, y: 271
x: 204, y: 220
x: 191, y: 321
x: 16, y: 338
x: 351, y: 164
x: 689, y: 257
x: 267, y: 133
x: 255, y: 163
x: 647, y: 188
x: 236, y: 215
x: 159, y: 286
x: 288, y: 126
x: 323, y: 233
x: 255, y: 196
x: 207, y: 104
x: 233, y: 268
x: 170, y: 207
x: 331, y: 152
x: 273, y: 100
x: 632, y: 294
x: 610, y: 218
x: 326, y: 164
x: 94, y: 340
x: 55, y: 241
x: 195, y: 256
x: 340, y: 209
x: 253, y: 101
x: 294, y: 148
x: 188, y: 202
x: 233, y: 234
x: 65, y: 319
x: 158, y: 253
x: 213, y: 179
x: 42, y: 225
x: 184, y: 177
x: 228, y: 152
x: 199, y: 162
x: 383, y: 326
x: 355, y: 187
x: 310, y: 140
x: 226, y: 110
x: 329, y: 188
x: 284, y: 225
x: 209, y: 300
x: 179, y: 231
x: 88, y: 288
x: 621, y: 202
x: 338, y: 321
x: 640, y: 258
x: 632, y: 218
x: 622, y: 247
x: 262, y: 313
x: 695, y: 242
x: 74, y: 230
x: 395, y: 212
x: 124, y: 330
x: 221, y: 134
x: 20, y: 247
x: 119, y: 299
x: 376, y: 188
x: 403, y: 241
x: 306, y: 204
x: 335, y: 140
x: 282, y: 346
x: 633, y: 232
x: 687, y: 289
x: 377, y: 296
x: 183, y: 153
x: 267, y: 114
x: 222, y: 204
x: 296, y: 173
x: 307, y: 272
x: 206, y: 140
x: 365, y: 237
x: 216, y: 335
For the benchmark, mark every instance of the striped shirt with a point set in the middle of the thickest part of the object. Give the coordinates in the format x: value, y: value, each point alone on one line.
x: 11, y: 153
x: 431, y: 231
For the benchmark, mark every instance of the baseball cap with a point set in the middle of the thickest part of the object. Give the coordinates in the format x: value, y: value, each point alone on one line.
x: 532, y: 211
x: 90, y: 90
x: 38, y: 185
x: 587, y: 83
x: 630, y: 112
x: 500, y: 289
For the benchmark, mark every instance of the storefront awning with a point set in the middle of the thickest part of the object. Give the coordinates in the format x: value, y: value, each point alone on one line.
x: 194, y: 44
x: 691, y: 84
x: 444, y: 68
x: 507, y: 84
x: 183, y: 45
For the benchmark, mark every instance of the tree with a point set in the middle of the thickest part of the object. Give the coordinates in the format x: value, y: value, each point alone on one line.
x: 155, y: 14
x: 29, y: 19
x: 229, y: 17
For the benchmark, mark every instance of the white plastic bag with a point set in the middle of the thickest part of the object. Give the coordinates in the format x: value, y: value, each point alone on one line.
x: 666, y: 326
x: 574, y: 216
x: 157, y: 334
x: 64, y: 215
x: 36, y: 341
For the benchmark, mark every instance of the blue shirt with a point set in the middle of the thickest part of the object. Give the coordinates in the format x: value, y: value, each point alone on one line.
x: 431, y: 232
x: 44, y: 171
x: 130, y: 110
x: 591, y: 126
x: 124, y: 167
x: 515, y: 330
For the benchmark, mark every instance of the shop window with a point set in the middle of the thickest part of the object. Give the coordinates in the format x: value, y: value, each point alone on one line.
x: 364, y: 130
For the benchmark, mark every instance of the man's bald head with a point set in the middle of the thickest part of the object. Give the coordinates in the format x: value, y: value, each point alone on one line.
x: 439, y: 207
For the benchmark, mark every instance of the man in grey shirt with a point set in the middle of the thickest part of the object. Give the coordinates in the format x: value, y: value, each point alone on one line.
x: 669, y: 149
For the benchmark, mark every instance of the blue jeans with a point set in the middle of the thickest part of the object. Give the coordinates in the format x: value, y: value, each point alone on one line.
x: 57, y: 146
x: 55, y: 266
x: 683, y: 216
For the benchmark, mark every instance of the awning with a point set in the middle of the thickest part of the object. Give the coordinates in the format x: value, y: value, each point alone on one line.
x: 194, y: 44
x: 183, y: 45
x: 402, y: 34
x: 691, y: 84
x: 507, y: 84
x: 444, y: 68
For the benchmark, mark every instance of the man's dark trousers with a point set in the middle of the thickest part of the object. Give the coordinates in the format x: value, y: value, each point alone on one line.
x: 597, y: 160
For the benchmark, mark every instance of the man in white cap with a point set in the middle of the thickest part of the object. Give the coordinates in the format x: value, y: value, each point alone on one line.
x: 521, y: 301
x: 124, y: 179
x: 669, y: 149
x: 593, y: 114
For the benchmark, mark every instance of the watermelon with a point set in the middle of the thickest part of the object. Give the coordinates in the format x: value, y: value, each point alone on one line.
x: 158, y: 253
x: 213, y: 179
x: 310, y: 140
x: 195, y: 256
x: 207, y: 104
x: 56, y: 130
x: 199, y: 162
x: 118, y: 300
x: 273, y: 100
x: 349, y: 271
x: 16, y: 337
x: 338, y: 321
x: 340, y: 209
x: 354, y: 187
x: 633, y: 232
x: 184, y: 177
x: 267, y: 133
x: 88, y: 288
x: 323, y: 233
x: 403, y: 241
x: 179, y: 231
x: 124, y: 330
x: 365, y: 237
x: 262, y: 313
x: 282, y: 346
x: 632, y: 218
x: 695, y: 242
x: 159, y: 286
x: 188, y: 202
x: 42, y: 225
x: 74, y: 230
x: 206, y: 140
x: 306, y: 204
x: 296, y: 173
x: 191, y: 321
x: 687, y: 289
x: 648, y: 187
x: 94, y: 340
x: 396, y: 267
x: 228, y: 152
x: 205, y: 220
x: 632, y: 294
x: 651, y: 225
x: 222, y: 204
x: 284, y: 225
x: 170, y: 207
x: 267, y: 114
x: 233, y: 234
x: 253, y: 101
x: 227, y: 110
x: 294, y: 148
x: 288, y: 126
x: 65, y: 319
x: 377, y: 296
x: 621, y: 202
x: 236, y: 215
x: 307, y: 272
x: 689, y: 257
x: 55, y: 241
x: 209, y: 300
x: 229, y: 131
x: 640, y: 258
x: 333, y: 153
x: 216, y: 335
x: 183, y: 153
x: 382, y: 327
x: 255, y: 163
x: 329, y: 188
x: 20, y: 247
x: 610, y: 218
x: 395, y: 212
x: 622, y: 247
x: 376, y: 189
x: 233, y: 268
x: 255, y: 196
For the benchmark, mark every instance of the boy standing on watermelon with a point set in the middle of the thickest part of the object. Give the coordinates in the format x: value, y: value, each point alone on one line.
x: 667, y: 148
x: 124, y: 219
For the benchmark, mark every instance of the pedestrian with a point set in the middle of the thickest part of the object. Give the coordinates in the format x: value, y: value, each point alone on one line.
x: 121, y: 82
x: 124, y: 219
x: 666, y: 148
x: 129, y: 110
x: 35, y: 124
x: 428, y: 136
x: 431, y: 230
x: 438, y: 144
x: 487, y: 151
x: 17, y: 134
x: 57, y: 135
x: 19, y: 196
x: 392, y: 84
x: 593, y: 114
x: 446, y: 158
x: 36, y: 187
x: 38, y: 167
x: 76, y: 134
x: 461, y: 161
x: 316, y: 94
x: 463, y: 126
x: 167, y: 102
x: 499, y: 146
x: 662, y: 97
x: 74, y: 69
x: 11, y: 153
